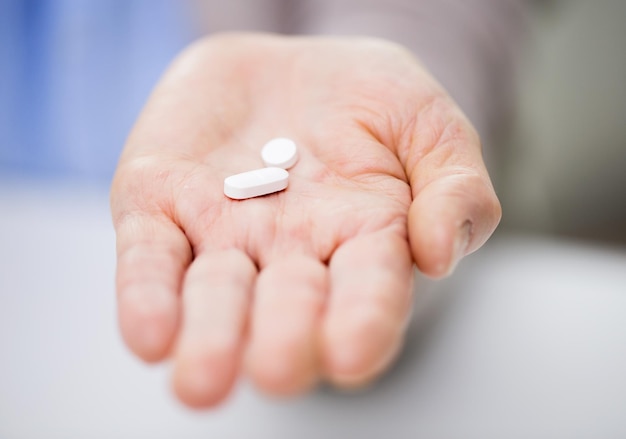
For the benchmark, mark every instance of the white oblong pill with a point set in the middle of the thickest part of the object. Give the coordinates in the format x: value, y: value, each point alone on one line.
x: 280, y: 152
x: 255, y: 183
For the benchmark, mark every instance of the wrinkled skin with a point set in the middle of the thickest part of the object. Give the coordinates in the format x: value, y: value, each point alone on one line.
x: 313, y: 282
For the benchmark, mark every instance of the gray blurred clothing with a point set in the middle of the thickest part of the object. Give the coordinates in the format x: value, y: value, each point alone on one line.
x: 471, y: 46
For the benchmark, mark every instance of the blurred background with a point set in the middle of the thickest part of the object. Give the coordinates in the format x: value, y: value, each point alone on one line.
x: 73, y: 77
x: 527, y: 339
x: 564, y: 170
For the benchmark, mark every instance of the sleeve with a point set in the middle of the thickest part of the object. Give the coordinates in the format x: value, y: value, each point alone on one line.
x: 471, y: 46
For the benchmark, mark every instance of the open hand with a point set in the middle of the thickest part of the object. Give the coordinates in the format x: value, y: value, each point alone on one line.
x: 315, y: 281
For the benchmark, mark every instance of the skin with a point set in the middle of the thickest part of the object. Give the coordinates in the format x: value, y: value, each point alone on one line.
x: 314, y: 282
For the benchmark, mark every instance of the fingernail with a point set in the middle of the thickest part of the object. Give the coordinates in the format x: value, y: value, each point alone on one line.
x: 461, y: 242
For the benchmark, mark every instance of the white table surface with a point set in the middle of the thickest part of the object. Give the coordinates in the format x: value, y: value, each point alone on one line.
x: 526, y: 340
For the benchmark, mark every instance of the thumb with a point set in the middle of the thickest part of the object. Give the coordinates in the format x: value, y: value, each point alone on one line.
x: 454, y: 208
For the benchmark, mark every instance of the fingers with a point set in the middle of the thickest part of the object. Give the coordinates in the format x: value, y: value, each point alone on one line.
x: 217, y: 292
x: 368, y: 307
x: 289, y: 298
x: 454, y: 208
x: 152, y: 255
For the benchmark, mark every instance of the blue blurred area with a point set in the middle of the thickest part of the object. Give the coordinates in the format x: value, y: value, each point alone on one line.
x: 74, y: 75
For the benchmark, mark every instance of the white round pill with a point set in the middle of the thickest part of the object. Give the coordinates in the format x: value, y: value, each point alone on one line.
x: 280, y: 152
x: 255, y: 183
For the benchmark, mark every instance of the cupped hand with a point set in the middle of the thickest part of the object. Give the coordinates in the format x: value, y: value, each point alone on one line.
x: 313, y: 282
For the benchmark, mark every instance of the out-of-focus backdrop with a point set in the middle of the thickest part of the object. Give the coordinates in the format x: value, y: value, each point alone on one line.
x: 565, y: 168
x: 74, y: 75
x: 527, y: 339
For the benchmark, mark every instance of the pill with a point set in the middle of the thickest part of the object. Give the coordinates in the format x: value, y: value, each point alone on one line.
x: 256, y: 183
x: 280, y: 152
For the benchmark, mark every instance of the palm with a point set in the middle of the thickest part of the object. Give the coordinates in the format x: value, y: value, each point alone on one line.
x: 314, y: 216
x: 317, y: 276
x: 346, y: 180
